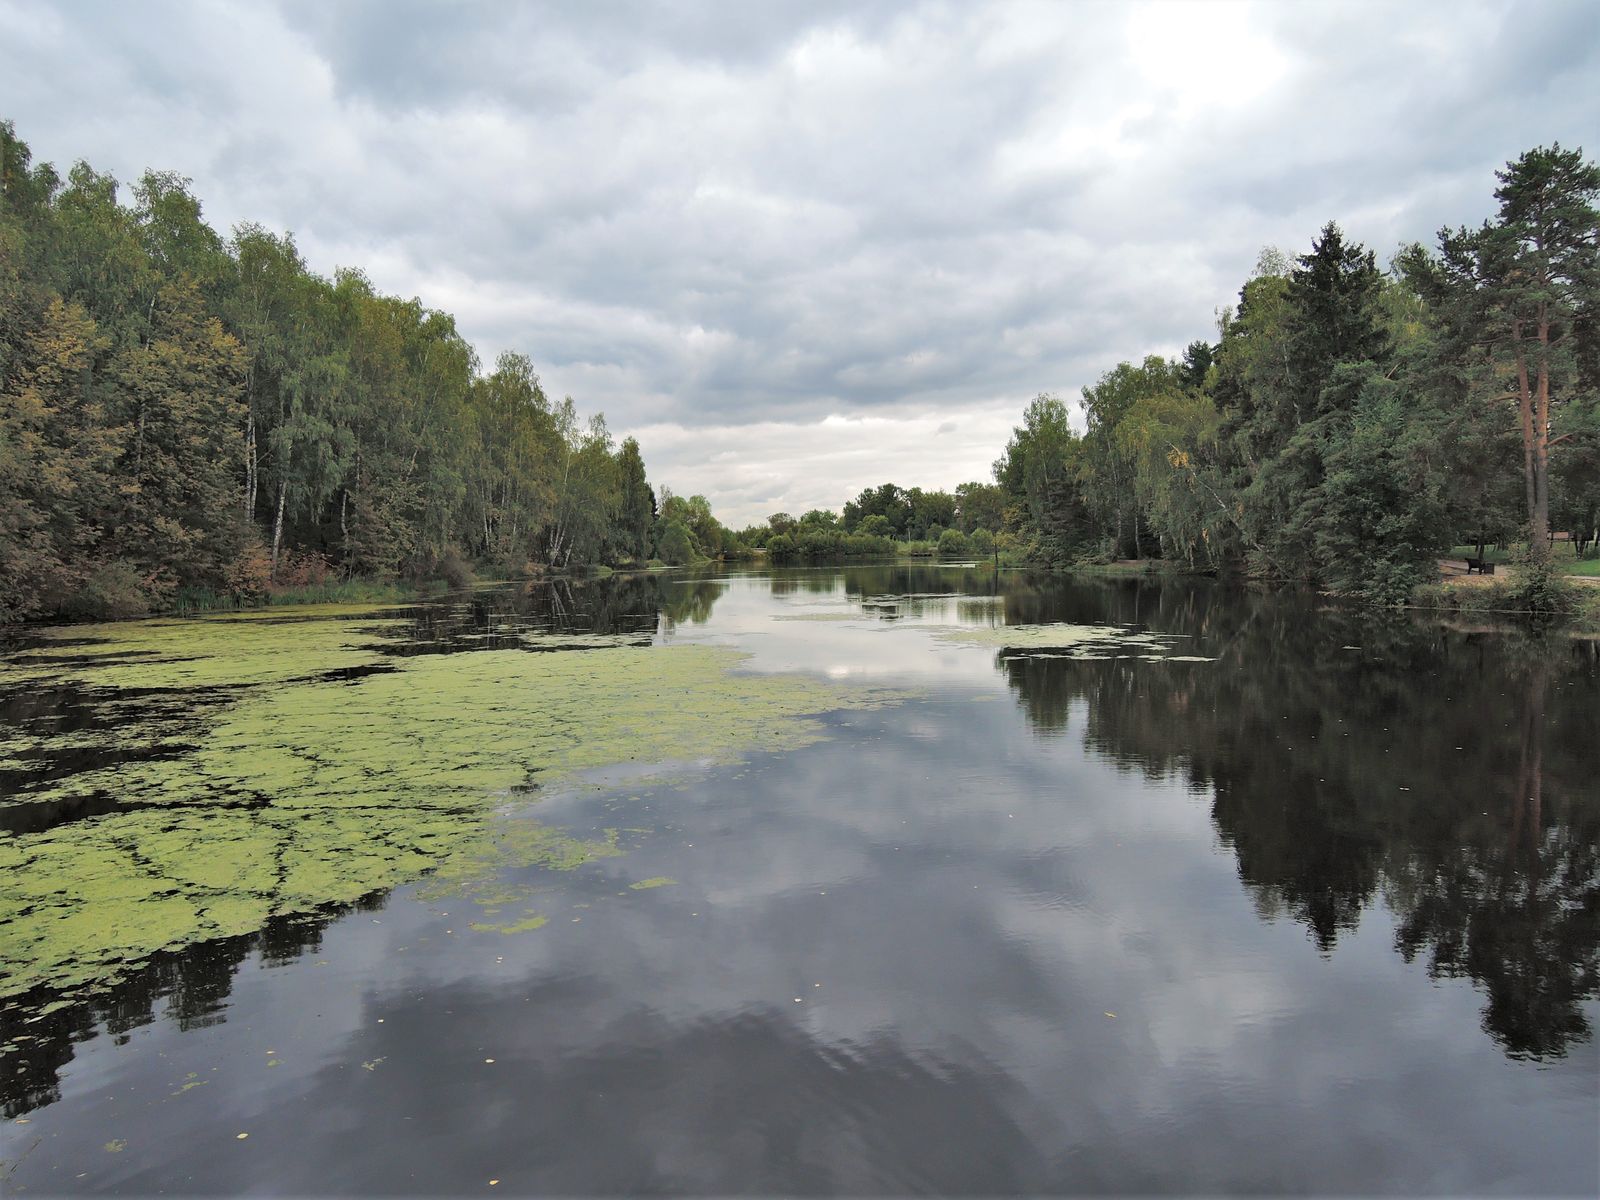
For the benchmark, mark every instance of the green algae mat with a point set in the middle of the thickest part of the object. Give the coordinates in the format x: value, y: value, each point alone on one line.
x: 243, y: 768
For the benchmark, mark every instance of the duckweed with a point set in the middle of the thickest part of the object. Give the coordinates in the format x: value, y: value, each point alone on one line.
x: 1061, y: 640
x: 298, y: 790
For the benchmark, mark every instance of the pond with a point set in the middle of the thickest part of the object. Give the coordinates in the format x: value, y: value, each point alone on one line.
x: 866, y: 880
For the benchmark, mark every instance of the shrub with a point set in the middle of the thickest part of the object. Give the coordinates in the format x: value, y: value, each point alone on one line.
x: 301, y: 569
x: 953, y: 544
x: 1538, y: 587
x: 676, y: 546
x: 113, y: 592
x: 453, y: 569
x: 248, y: 576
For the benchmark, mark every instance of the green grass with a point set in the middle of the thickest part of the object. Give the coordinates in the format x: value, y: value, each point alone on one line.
x: 1564, y: 553
x: 354, y: 591
x: 1579, y: 606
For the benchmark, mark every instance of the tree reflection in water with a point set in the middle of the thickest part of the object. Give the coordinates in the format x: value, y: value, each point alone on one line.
x: 1443, y: 772
x: 1350, y: 763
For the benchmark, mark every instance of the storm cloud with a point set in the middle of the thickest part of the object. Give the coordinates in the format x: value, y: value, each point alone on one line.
x: 803, y: 248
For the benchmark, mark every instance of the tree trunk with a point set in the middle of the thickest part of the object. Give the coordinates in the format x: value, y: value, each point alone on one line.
x: 1525, y: 405
x: 344, y: 529
x: 250, y: 465
x: 277, y: 526
x: 1541, y: 439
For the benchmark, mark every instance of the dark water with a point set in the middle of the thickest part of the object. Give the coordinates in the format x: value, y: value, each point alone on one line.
x: 1321, y: 915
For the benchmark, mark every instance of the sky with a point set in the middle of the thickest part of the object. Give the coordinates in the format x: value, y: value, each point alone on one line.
x: 799, y: 249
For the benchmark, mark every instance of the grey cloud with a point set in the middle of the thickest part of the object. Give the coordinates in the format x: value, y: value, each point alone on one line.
x: 723, y: 215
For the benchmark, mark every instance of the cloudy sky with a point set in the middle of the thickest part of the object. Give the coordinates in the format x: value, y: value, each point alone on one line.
x: 798, y: 249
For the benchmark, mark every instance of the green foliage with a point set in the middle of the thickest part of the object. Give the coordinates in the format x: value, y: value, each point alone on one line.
x: 816, y: 543
x: 1039, y: 472
x: 1512, y: 306
x: 980, y: 506
x: 182, y: 415
x: 708, y: 537
x: 1348, y: 425
x: 639, y: 501
x: 954, y: 544
x: 675, y: 544
x: 1381, y: 518
x: 1537, y: 585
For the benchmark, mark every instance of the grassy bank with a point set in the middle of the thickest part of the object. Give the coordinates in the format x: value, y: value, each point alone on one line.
x: 1563, y: 557
x: 1576, y: 602
x: 355, y: 591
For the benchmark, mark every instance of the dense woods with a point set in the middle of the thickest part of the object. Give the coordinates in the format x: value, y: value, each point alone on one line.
x: 1346, y: 425
x: 188, y: 418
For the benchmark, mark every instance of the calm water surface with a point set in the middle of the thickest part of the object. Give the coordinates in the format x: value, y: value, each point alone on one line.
x: 1321, y: 914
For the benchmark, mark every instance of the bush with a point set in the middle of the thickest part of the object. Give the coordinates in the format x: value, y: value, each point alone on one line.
x: 953, y: 544
x: 1537, y: 586
x: 676, y: 546
x: 113, y: 592
x: 302, y: 569
x: 453, y: 569
x: 249, y: 576
x: 981, y: 543
x: 781, y: 548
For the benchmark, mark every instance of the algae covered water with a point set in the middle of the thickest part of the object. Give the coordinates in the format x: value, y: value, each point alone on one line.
x: 851, y: 881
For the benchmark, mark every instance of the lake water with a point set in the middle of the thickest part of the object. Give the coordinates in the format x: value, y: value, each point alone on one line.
x: 1224, y: 893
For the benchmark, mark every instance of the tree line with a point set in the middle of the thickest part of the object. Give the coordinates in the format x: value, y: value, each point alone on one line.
x: 185, y: 414
x: 1345, y: 427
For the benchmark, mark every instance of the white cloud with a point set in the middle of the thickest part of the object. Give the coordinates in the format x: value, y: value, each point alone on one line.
x: 750, y: 471
x: 741, y: 219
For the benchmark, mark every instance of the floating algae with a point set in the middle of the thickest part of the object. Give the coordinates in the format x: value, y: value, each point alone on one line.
x: 482, y: 871
x: 299, y: 789
x: 239, y: 649
x: 1063, y: 640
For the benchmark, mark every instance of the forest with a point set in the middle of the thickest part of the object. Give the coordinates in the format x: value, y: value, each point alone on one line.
x: 189, y: 420
x: 192, y: 420
x: 1345, y: 427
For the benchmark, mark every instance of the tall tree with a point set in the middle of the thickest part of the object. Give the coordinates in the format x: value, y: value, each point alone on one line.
x: 1519, y: 299
x: 637, y: 512
x: 1037, y: 469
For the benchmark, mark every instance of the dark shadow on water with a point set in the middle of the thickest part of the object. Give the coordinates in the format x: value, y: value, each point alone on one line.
x: 1353, y: 760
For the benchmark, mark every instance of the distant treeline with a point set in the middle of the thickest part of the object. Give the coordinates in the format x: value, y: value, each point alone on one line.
x: 187, y: 414
x: 1347, y: 425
